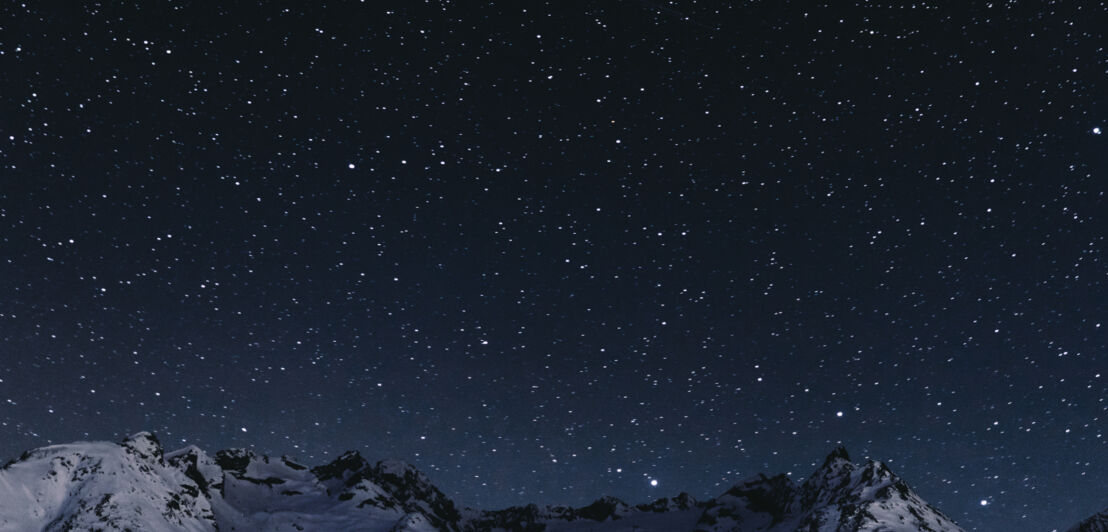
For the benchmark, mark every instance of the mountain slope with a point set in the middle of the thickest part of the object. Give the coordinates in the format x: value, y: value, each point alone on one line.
x: 86, y: 486
x: 135, y: 486
x: 839, y: 496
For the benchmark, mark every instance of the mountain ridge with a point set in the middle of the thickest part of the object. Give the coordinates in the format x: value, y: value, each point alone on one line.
x: 136, y: 485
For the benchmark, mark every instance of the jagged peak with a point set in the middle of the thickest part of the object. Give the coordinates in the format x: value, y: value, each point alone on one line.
x: 349, y: 455
x: 837, y: 463
x: 833, y: 476
x: 235, y: 459
x: 681, y: 501
x: 350, y: 461
x: 402, y: 470
x: 190, y: 450
x: 763, y: 482
x: 141, y: 435
x: 395, y: 467
x: 610, y: 500
x: 878, y: 469
x: 411, y: 488
x: 838, y: 453
x: 145, y: 444
x: 236, y: 452
x: 602, y: 509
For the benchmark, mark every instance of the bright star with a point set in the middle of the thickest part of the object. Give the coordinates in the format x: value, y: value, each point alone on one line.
x: 653, y: 482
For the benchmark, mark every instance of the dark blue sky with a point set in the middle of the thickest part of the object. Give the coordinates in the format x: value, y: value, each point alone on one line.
x: 548, y: 252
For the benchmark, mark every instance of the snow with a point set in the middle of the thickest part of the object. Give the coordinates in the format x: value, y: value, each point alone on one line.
x: 97, y: 485
x: 134, y: 485
x: 393, y: 467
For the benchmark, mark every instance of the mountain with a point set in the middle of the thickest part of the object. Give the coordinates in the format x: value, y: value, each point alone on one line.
x: 1096, y: 523
x: 135, y: 485
x: 839, y: 496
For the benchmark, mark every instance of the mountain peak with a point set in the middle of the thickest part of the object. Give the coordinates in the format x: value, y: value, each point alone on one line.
x: 235, y: 459
x: 395, y: 467
x: 345, y: 466
x: 603, y: 509
x: 835, y: 467
x: 145, y: 444
x: 838, y: 453
x: 401, y: 472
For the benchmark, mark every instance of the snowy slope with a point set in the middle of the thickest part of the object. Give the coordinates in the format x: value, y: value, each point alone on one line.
x: 86, y: 486
x: 135, y: 486
x: 132, y: 486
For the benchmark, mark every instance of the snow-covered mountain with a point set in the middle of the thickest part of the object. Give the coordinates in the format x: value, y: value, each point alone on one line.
x: 1096, y: 523
x: 136, y: 486
x: 839, y: 496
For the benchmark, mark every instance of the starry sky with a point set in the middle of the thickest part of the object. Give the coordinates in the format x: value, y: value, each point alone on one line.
x: 551, y: 251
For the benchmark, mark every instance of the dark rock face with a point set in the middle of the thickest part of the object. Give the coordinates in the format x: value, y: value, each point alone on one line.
x: 415, y: 492
x: 346, y: 466
x: 144, y: 445
x: 838, y: 453
x: 234, y: 460
x: 188, y: 465
x: 602, y: 509
x: 683, y: 501
x: 757, y: 500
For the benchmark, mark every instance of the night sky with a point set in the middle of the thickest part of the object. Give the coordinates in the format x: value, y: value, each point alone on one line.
x: 552, y: 251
